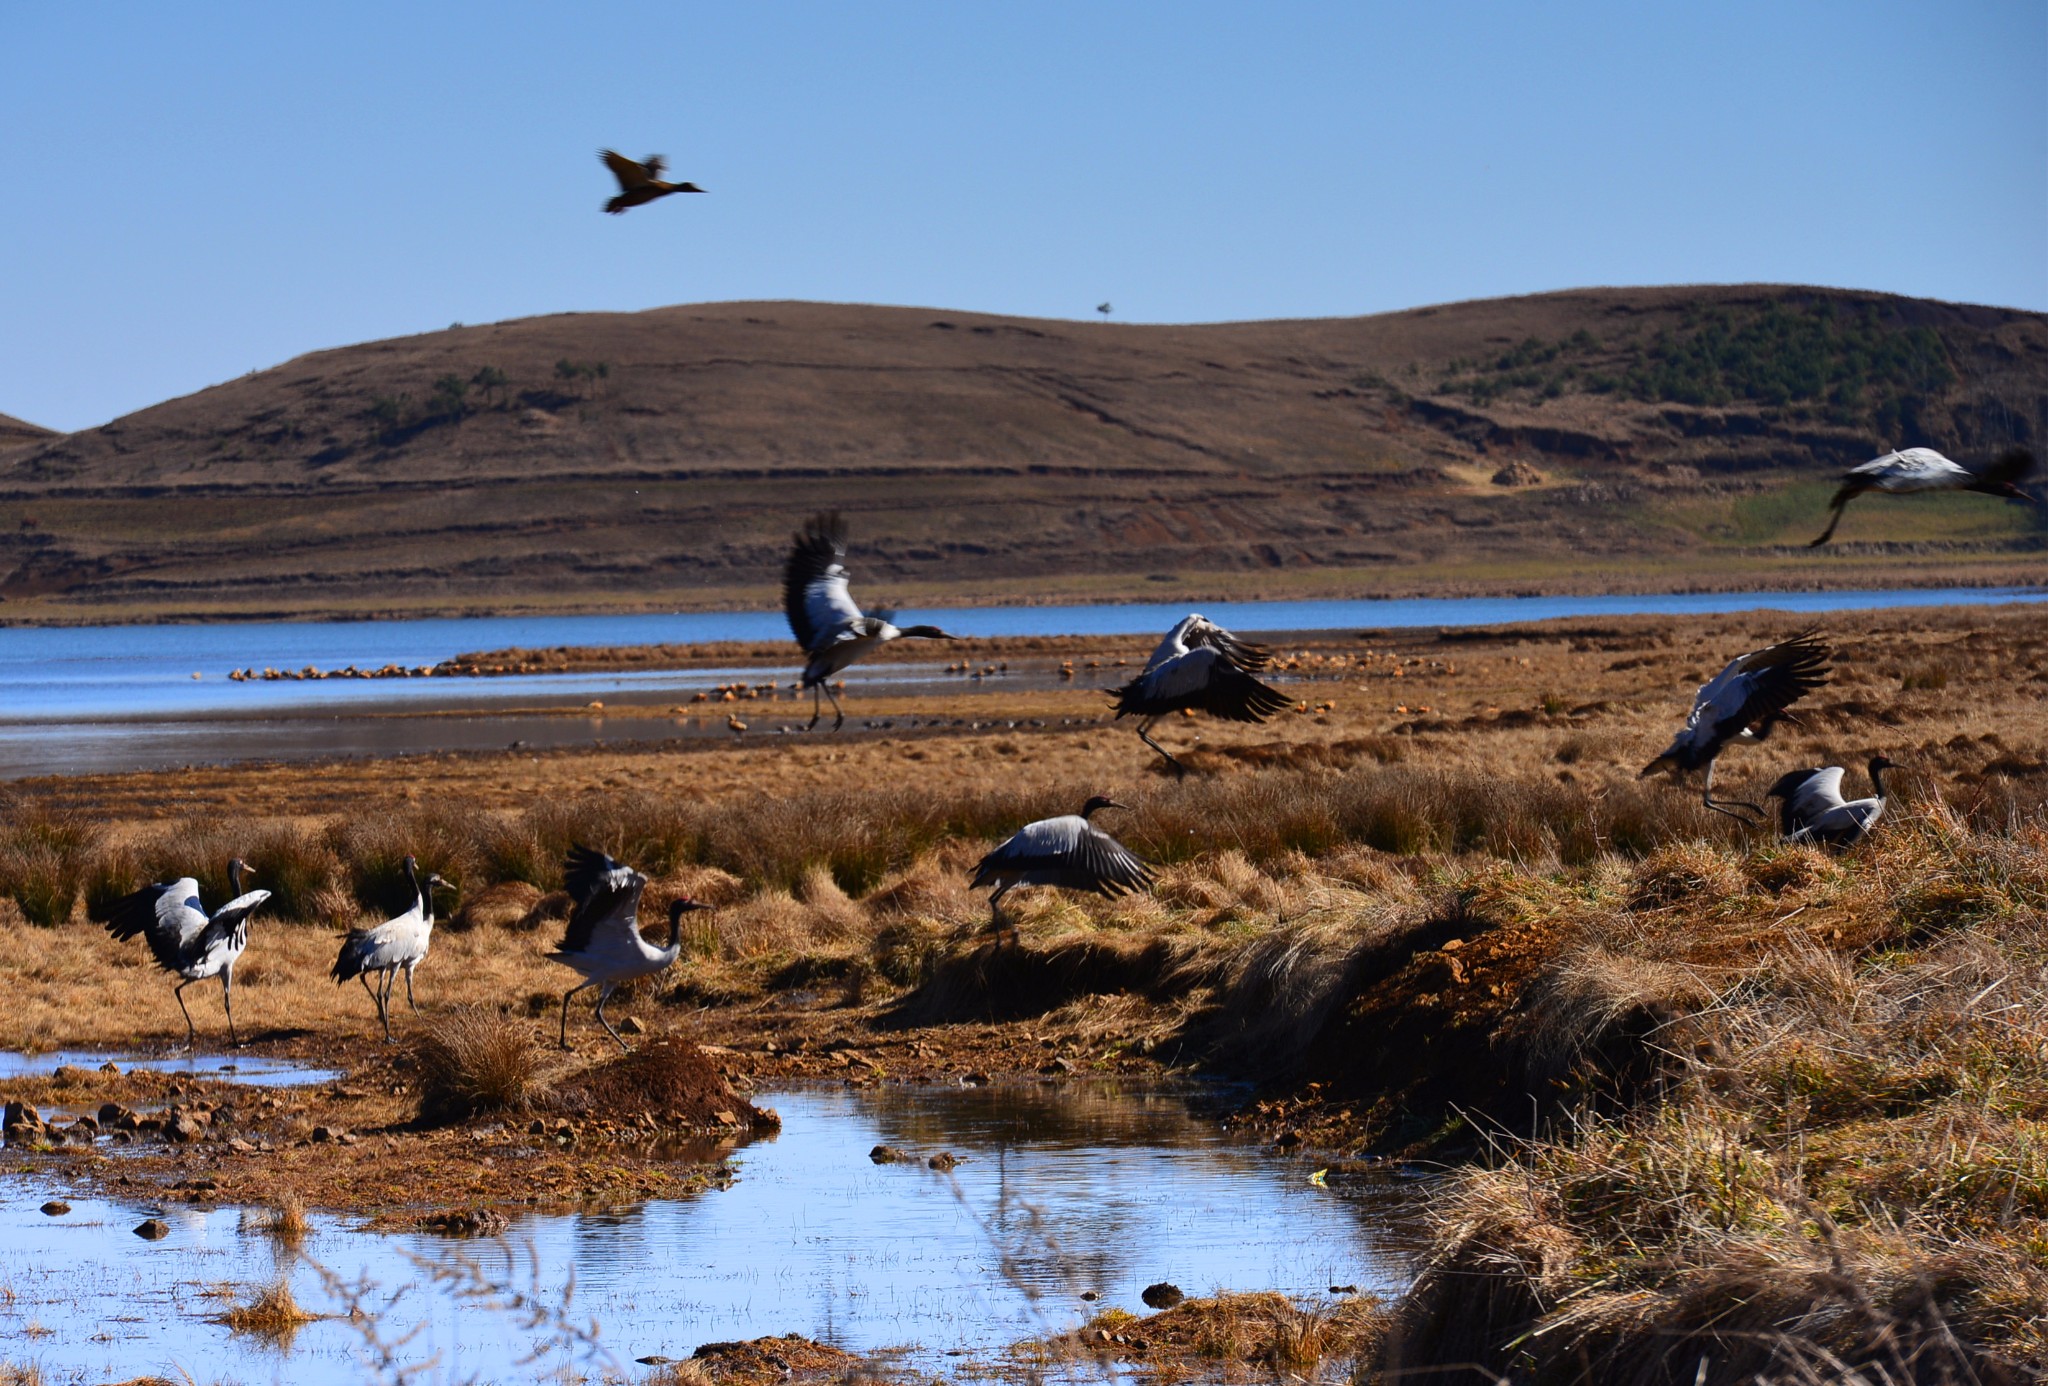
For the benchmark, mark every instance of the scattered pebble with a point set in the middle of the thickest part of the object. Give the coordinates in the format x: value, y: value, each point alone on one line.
x: 56, y: 1208
x: 152, y: 1229
x: 1163, y: 1295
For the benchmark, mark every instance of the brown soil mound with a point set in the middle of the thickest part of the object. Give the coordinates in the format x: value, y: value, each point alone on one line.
x: 1003, y: 981
x: 762, y: 1360
x: 671, y: 1080
x: 1238, y: 1329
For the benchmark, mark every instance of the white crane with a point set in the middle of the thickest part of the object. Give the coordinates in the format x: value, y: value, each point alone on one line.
x: 822, y: 614
x: 1909, y: 470
x: 1203, y: 666
x: 1742, y: 703
x: 396, y: 945
x: 1068, y: 852
x: 189, y: 942
x: 1815, y: 811
x: 603, y: 940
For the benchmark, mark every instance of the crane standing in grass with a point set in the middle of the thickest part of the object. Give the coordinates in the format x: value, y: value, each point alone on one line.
x: 189, y: 942
x: 832, y: 630
x: 1815, y: 811
x: 396, y: 945
x: 1923, y: 469
x: 1742, y: 703
x: 603, y: 940
x: 1069, y: 852
x: 1200, y: 666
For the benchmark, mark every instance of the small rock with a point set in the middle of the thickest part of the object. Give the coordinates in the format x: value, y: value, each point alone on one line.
x: 240, y: 1146
x: 20, y: 1116
x: 152, y: 1229
x: 976, y: 1080
x: 321, y: 1135
x: 725, y: 1118
x: 536, y: 1127
x: 943, y: 1161
x: 1090, y: 1295
x: 187, y: 1125
x: 111, y: 1067
x: 891, y: 1155
x: 1164, y: 1295
x: 71, y: 1073
x: 1343, y: 1289
x: 654, y: 1359
x: 631, y: 1026
x: 1287, y: 1140
x: 56, y: 1208
x: 116, y: 1117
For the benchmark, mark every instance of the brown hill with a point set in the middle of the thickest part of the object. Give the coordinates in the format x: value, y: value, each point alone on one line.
x: 13, y: 431
x: 1635, y: 438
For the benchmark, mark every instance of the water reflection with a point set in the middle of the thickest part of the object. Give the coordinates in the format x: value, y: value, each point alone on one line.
x: 1058, y: 1190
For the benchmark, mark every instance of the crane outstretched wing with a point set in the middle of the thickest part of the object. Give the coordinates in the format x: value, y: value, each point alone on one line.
x: 1204, y: 679
x: 814, y: 583
x: 629, y: 174
x: 607, y: 896
x: 1765, y: 682
x: 1067, y: 852
x: 1241, y: 653
x: 166, y: 913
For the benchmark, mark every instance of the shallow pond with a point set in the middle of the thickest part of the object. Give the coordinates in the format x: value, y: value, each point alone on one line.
x: 253, y: 1070
x: 1058, y: 1191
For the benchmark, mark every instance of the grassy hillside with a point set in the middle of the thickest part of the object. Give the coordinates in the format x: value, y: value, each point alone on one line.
x: 1598, y: 439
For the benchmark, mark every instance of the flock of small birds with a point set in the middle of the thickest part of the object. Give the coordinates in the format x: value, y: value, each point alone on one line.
x: 1198, y: 668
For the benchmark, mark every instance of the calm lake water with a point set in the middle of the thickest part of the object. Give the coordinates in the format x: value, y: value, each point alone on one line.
x: 108, y: 698
x: 1059, y: 1191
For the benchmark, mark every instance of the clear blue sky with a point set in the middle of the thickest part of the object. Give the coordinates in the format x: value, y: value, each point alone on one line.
x: 192, y: 191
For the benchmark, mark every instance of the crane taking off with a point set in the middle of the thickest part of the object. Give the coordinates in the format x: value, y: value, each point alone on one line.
x: 1742, y: 703
x: 1815, y: 811
x: 187, y: 941
x: 603, y: 940
x: 1069, y: 852
x: 832, y: 630
x: 1200, y: 666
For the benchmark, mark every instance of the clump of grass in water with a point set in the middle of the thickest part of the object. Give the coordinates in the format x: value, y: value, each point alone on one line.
x: 285, y: 1223
x: 273, y: 1314
x: 475, y: 1060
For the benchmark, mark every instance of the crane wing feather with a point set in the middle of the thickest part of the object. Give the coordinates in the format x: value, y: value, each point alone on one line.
x: 167, y: 914
x: 814, y: 582
x: 607, y: 896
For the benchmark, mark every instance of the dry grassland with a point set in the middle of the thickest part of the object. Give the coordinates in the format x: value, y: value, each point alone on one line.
x: 1704, y: 1098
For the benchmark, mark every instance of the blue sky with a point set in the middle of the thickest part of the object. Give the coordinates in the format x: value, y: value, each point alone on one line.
x: 190, y: 192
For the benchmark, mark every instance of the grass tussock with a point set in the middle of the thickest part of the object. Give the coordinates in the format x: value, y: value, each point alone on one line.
x: 272, y: 1313
x: 285, y: 1222
x: 473, y: 1060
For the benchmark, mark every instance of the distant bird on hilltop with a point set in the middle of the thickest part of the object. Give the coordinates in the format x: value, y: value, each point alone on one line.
x: 822, y: 615
x: 395, y: 945
x: 1069, y: 852
x: 1924, y: 469
x: 603, y: 940
x: 1201, y: 666
x: 1742, y: 703
x: 640, y: 183
x: 186, y: 940
x: 1814, y: 810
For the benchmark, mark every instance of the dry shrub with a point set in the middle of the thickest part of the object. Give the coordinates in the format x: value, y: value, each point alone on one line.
x: 273, y: 1313
x: 45, y: 857
x: 474, y: 1060
x: 1779, y: 868
x: 372, y: 850
x: 1606, y: 1017
x: 1273, y: 995
x: 285, y: 1221
x: 1685, y: 872
x: 504, y: 905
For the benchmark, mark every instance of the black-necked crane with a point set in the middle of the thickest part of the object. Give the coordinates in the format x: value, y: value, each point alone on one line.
x: 187, y: 941
x: 1069, y: 852
x: 603, y: 940
x: 396, y: 945
x: 1202, y: 666
x: 640, y: 182
x: 1909, y: 470
x: 1815, y: 811
x: 1742, y: 703
x: 832, y: 630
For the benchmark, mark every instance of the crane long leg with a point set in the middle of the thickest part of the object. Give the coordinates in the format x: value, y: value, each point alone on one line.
x: 384, y: 1003
x: 411, y: 1004
x: 1144, y: 735
x: 838, y: 712
x: 565, y: 1010
x: 817, y: 709
x: 1833, y: 520
x: 996, y: 922
x: 191, y: 1034
x: 1728, y: 806
x: 605, y: 994
x: 227, y: 1001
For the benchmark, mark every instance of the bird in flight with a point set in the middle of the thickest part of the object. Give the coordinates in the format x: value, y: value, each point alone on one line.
x: 1924, y: 469
x: 824, y: 618
x: 1202, y: 666
x: 1742, y: 703
x: 641, y: 182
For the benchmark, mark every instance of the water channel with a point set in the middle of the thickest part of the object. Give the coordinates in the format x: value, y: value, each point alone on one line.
x: 1060, y: 1190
